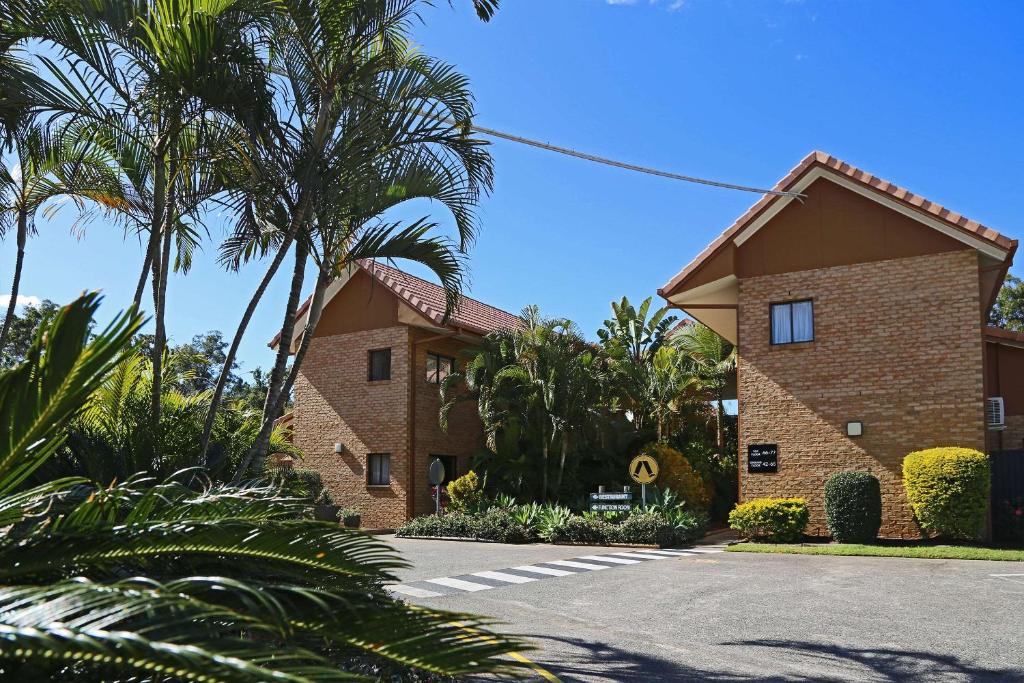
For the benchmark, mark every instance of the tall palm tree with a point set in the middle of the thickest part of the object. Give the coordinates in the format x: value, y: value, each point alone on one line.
x: 47, y: 165
x: 367, y: 122
x: 148, y: 75
x: 714, y: 365
x: 162, y: 579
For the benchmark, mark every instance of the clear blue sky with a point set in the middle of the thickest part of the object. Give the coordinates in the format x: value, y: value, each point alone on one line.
x: 926, y: 94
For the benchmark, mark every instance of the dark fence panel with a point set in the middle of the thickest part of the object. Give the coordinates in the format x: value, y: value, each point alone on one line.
x: 1008, y: 496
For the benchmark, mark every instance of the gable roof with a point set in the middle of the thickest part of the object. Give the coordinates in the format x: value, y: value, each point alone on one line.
x: 427, y: 299
x: 916, y: 205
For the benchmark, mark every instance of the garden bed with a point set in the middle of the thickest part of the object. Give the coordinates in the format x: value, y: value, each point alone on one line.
x: 923, y: 551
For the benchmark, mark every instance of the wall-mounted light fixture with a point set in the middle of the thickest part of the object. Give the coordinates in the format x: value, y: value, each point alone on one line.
x: 339, y: 448
x: 855, y: 428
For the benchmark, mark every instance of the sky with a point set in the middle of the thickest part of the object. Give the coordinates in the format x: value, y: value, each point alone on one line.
x: 924, y: 94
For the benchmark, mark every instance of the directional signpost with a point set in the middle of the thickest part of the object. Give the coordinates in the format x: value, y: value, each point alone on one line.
x: 644, y: 470
x: 611, y: 502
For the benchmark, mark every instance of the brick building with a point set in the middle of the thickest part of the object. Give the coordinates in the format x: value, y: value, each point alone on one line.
x: 859, y: 316
x: 367, y: 396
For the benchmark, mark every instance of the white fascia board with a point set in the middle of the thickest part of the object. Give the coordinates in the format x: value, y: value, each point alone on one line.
x: 819, y: 172
x: 724, y: 291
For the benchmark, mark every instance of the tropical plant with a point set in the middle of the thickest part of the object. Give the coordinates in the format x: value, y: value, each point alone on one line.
x: 227, y: 583
x: 47, y: 166
x: 366, y: 123
x: 465, y: 494
x: 147, y: 84
x: 111, y: 438
x: 677, y: 475
x: 714, y: 364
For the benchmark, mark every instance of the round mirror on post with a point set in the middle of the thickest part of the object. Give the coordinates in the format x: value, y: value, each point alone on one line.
x: 436, y: 472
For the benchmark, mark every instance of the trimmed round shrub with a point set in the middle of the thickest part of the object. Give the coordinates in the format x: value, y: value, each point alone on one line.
x: 677, y: 474
x: 948, y: 489
x: 853, y: 507
x: 776, y: 520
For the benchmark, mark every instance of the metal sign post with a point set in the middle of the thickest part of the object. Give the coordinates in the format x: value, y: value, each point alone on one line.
x: 435, y: 475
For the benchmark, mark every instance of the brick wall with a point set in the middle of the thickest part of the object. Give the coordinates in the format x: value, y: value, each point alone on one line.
x: 1011, y: 438
x: 897, y: 346
x: 464, y: 437
x: 334, y: 402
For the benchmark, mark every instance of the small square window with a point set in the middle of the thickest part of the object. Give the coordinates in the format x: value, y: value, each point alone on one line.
x: 378, y: 469
x: 792, y: 322
x: 380, y: 365
x: 439, y: 367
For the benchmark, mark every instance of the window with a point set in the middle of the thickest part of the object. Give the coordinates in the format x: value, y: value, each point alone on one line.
x: 439, y: 367
x: 378, y: 469
x: 380, y: 365
x: 793, y: 322
x: 450, y: 467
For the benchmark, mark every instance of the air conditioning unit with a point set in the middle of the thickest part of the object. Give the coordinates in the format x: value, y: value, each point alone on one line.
x: 995, y: 414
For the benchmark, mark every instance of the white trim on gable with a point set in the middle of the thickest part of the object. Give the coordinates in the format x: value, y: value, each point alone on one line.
x: 831, y: 175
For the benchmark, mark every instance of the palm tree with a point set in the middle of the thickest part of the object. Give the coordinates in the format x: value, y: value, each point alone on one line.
x: 148, y: 77
x: 368, y: 123
x: 714, y: 365
x: 47, y: 166
x: 219, y: 582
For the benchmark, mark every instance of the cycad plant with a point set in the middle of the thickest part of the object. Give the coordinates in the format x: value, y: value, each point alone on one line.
x: 166, y: 581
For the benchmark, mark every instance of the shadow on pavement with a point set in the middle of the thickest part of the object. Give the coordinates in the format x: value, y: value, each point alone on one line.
x: 792, y: 661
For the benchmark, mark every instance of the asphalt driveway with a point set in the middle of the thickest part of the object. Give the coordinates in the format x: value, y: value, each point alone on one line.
x: 724, y: 616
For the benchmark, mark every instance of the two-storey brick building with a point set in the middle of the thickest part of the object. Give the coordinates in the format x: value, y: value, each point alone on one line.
x: 859, y: 314
x: 367, y: 396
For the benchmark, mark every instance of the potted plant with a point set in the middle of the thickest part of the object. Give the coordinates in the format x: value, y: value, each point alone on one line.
x: 349, y: 517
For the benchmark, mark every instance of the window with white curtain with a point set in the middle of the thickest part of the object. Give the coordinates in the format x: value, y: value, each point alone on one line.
x: 792, y: 322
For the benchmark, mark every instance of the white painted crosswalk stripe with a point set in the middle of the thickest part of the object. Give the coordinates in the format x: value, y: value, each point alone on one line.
x: 502, y: 576
x: 413, y: 591
x: 548, y: 571
x: 609, y: 558
x: 460, y: 584
x: 641, y: 556
x: 578, y: 565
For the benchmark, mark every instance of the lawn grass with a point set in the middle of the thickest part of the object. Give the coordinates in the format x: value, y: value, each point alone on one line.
x: 933, y: 552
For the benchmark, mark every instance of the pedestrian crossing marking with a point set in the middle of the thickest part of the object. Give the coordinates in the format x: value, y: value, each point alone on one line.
x: 460, y: 584
x: 547, y: 569
x: 502, y: 576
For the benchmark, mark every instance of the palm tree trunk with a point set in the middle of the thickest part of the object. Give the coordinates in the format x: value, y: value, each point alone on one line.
x: 151, y: 246
x: 719, y: 432
x: 16, y: 284
x: 229, y: 360
x: 561, y: 463
x: 277, y: 377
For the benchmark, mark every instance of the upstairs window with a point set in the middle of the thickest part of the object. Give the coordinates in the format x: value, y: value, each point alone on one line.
x: 380, y: 365
x: 378, y: 469
x: 792, y: 322
x: 439, y: 367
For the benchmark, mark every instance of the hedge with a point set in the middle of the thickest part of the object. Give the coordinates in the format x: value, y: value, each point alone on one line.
x: 948, y: 490
x: 777, y: 520
x: 853, y: 507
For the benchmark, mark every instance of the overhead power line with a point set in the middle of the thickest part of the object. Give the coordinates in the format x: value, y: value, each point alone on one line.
x: 629, y: 167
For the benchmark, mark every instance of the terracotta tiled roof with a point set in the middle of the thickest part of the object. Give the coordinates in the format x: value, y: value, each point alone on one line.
x: 821, y: 159
x: 428, y: 299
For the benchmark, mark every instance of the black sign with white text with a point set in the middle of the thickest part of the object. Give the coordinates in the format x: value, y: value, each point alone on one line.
x: 762, y: 457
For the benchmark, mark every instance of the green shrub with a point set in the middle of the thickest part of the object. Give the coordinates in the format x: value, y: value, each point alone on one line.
x: 777, y: 520
x: 465, y: 494
x: 493, y: 525
x: 578, y: 529
x: 677, y: 474
x: 550, y: 518
x: 853, y: 507
x: 948, y: 489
